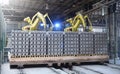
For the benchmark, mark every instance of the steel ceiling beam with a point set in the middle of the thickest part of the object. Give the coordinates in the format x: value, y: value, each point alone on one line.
x: 58, y: 11
x: 45, y: 1
x: 19, y: 10
x: 28, y: 10
x: 77, y: 7
x: 13, y: 16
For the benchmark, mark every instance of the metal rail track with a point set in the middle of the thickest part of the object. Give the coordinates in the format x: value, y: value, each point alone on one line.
x: 112, y: 66
x: 69, y: 71
x: 75, y: 69
x: 92, y: 70
x: 21, y: 71
x: 54, y: 70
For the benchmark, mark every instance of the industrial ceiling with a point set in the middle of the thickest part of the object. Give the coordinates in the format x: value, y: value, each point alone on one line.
x: 17, y: 10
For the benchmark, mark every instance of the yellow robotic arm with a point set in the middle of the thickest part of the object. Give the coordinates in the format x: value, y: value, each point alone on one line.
x: 28, y: 20
x: 90, y: 28
x: 70, y: 21
x: 46, y: 15
x: 38, y: 17
x: 78, y: 20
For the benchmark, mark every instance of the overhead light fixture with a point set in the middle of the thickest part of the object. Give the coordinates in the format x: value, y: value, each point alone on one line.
x: 4, y: 2
x: 41, y: 24
x: 57, y: 25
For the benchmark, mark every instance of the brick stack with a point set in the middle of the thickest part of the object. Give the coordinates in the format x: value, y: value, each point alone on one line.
x: 38, y: 43
x: 86, y: 43
x: 20, y: 43
x: 42, y: 43
x: 71, y: 43
x: 100, y: 40
x: 55, y: 43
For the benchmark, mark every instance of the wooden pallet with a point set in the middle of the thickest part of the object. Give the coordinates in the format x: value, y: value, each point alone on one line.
x: 60, y: 59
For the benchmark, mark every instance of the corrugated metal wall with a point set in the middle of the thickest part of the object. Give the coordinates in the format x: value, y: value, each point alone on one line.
x: 118, y: 28
x: 14, y: 25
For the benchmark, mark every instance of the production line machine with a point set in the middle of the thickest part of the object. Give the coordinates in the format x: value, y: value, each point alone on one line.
x: 48, y: 47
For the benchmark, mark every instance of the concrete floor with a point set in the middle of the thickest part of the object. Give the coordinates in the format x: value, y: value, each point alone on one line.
x: 116, y: 61
x: 102, y: 69
x: 5, y: 69
x: 83, y: 69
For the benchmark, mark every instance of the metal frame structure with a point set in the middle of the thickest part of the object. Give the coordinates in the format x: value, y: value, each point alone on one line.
x: 112, y: 23
x: 109, y: 18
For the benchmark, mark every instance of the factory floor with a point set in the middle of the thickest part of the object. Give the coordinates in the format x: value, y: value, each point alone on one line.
x: 80, y: 69
x: 115, y: 61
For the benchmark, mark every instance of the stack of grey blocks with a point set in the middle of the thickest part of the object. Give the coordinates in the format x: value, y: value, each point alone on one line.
x: 20, y: 43
x: 42, y: 43
x: 55, y: 43
x: 86, y: 43
x: 38, y: 43
x: 71, y: 43
x: 100, y: 43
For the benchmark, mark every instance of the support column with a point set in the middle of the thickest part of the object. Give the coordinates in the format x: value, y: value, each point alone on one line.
x: 2, y: 31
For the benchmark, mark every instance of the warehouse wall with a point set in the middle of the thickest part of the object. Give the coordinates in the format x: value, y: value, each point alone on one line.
x: 118, y: 34
x: 114, y: 32
x: 14, y: 25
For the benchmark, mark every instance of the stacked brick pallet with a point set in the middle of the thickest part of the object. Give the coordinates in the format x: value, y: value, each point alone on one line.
x: 42, y: 43
x: 100, y: 43
x: 38, y: 43
x: 41, y: 47
x: 86, y: 43
x: 55, y: 43
x: 20, y: 43
x: 71, y: 43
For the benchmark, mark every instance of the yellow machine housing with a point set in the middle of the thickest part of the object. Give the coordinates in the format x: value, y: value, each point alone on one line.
x: 78, y: 20
x: 36, y: 19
